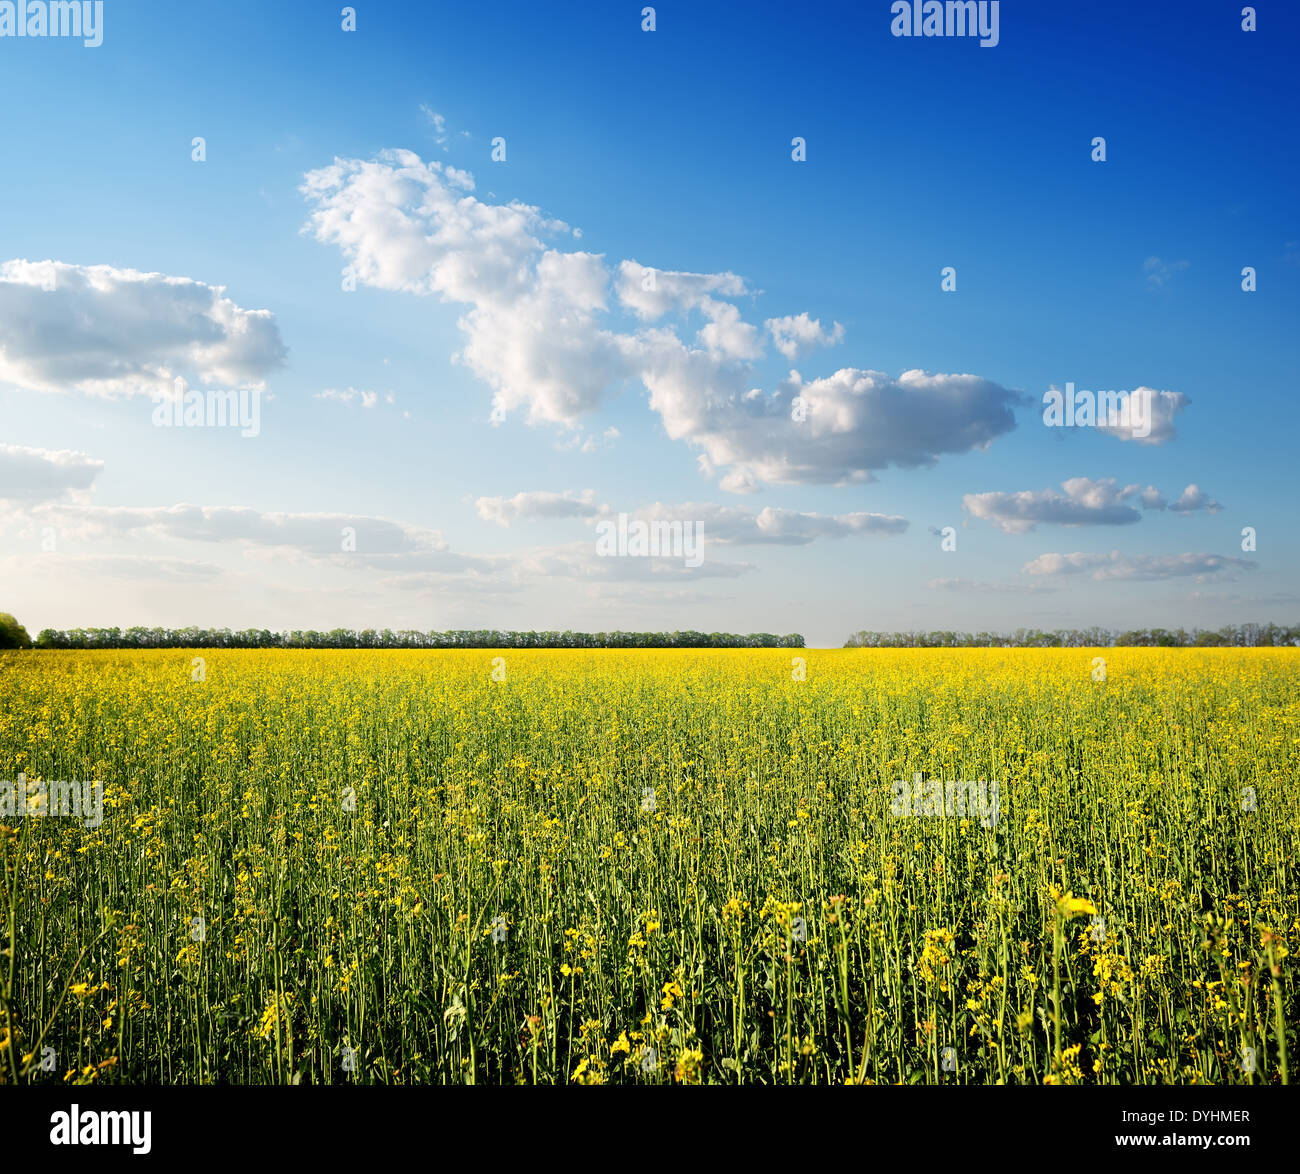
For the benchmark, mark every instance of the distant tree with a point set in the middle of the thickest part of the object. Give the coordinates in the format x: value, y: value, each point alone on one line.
x: 1233, y: 636
x: 194, y: 637
x: 12, y: 633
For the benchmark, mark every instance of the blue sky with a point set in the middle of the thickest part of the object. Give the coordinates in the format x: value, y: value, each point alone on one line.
x: 521, y: 386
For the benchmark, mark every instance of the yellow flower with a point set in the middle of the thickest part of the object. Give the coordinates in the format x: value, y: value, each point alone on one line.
x: 671, y: 991
x: 1072, y: 906
x: 688, y: 1066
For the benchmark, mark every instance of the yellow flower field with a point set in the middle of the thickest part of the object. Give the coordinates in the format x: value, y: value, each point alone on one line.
x: 652, y: 866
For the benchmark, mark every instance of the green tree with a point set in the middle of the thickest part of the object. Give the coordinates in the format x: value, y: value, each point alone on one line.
x: 12, y: 633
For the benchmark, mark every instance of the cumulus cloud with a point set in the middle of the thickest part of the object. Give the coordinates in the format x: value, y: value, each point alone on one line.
x: 834, y: 430
x: 1188, y: 502
x: 795, y: 334
x: 30, y: 475
x: 543, y: 351
x: 106, y: 331
x: 537, y: 331
x: 1192, y: 499
x: 1085, y: 502
x: 652, y: 293
x: 531, y: 329
x: 1151, y: 566
x: 726, y: 335
x: 1161, y: 408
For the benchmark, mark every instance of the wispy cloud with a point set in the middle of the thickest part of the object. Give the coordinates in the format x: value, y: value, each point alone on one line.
x: 1115, y: 565
x: 1159, y: 272
x: 437, y: 123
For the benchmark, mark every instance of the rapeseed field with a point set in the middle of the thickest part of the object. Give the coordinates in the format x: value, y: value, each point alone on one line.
x: 651, y: 866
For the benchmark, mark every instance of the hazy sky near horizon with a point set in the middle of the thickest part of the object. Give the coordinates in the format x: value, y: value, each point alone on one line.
x: 464, y: 365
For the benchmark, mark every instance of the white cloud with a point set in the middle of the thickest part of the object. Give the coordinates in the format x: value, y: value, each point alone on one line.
x: 457, y: 178
x: 314, y: 535
x: 1085, y: 502
x: 723, y: 525
x: 531, y: 331
x: 1192, y: 499
x: 726, y: 335
x: 854, y: 422
x: 538, y: 504
x: 733, y: 526
x: 542, y: 352
x: 1189, y: 501
x: 1161, y: 407
x: 437, y: 122
x: 29, y: 475
x: 651, y: 293
x: 588, y: 443
x: 796, y: 334
x: 367, y: 399
x: 403, y: 229
x: 1119, y: 566
x: 106, y: 331
x: 535, y: 332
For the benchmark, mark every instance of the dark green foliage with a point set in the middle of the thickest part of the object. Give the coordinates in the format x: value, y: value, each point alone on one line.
x: 346, y: 638
x: 12, y: 633
x: 1230, y: 636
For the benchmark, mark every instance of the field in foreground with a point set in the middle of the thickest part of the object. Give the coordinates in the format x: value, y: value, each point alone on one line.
x: 653, y: 866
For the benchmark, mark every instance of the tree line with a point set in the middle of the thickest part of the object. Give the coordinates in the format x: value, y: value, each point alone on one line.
x: 1230, y: 636
x: 387, y: 638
